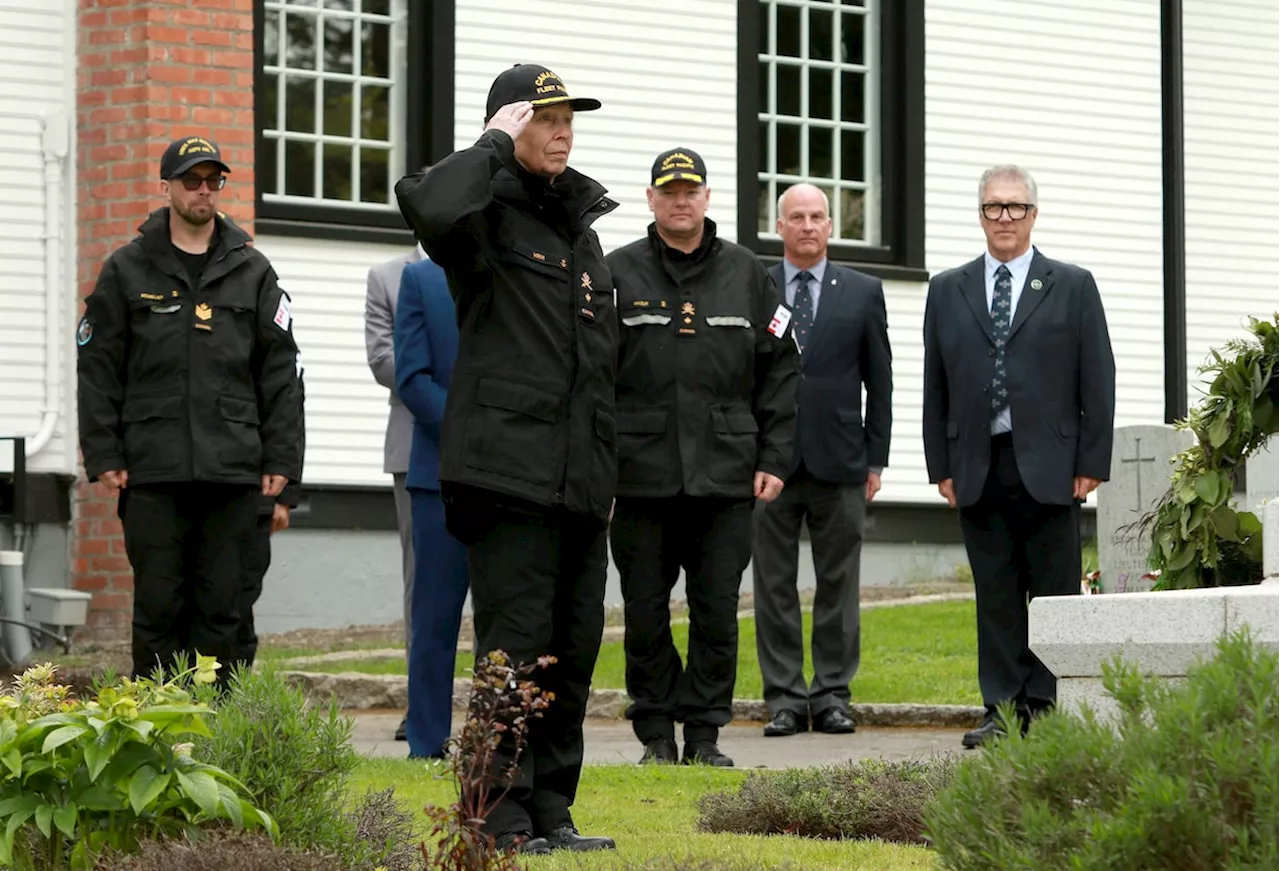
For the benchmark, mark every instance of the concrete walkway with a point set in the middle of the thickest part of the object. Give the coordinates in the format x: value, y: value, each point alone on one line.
x: 613, y: 743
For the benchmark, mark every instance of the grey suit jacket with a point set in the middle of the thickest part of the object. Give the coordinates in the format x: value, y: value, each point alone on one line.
x: 379, y: 342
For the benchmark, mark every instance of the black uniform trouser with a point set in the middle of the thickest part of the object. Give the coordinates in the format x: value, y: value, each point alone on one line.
x: 537, y: 578
x: 652, y: 539
x: 185, y: 542
x: 1018, y: 549
x: 256, y: 561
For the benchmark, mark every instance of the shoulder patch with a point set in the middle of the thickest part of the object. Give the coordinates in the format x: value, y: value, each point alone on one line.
x: 284, y: 316
x: 84, y: 332
x: 780, y: 321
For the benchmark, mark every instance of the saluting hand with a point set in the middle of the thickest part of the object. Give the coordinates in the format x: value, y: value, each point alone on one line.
x: 767, y: 486
x: 511, y: 119
x: 273, y: 484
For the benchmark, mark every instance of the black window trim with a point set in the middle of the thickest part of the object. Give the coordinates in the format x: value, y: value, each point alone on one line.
x: 902, y: 256
x: 428, y: 131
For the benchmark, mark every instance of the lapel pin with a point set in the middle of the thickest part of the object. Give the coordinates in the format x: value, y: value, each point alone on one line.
x: 1036, y: 284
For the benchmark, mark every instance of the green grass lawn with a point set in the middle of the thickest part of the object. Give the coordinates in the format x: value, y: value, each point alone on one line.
x: 910, y: 653
x: 651, y: 813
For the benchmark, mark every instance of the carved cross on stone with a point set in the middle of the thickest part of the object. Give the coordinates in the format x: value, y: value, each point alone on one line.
x: 1139, y: 459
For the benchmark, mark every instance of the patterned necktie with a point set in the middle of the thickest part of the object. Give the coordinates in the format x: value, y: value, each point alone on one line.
x: 803, y: 309
x: 1002, y: 320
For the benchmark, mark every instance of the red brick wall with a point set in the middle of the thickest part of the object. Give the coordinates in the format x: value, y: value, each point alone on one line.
x: 148, y: 72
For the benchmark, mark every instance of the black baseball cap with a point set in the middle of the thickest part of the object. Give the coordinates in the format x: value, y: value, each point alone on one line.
x: 534, y: 83
x: 676, y: 164
x: 182, y: 154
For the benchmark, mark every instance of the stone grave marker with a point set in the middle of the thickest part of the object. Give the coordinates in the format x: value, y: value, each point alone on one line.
x: 1141, y: 463
x: 1261, y: 473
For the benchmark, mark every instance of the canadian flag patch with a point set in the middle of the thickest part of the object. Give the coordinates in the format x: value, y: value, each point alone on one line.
x: 283, y: 317
x: 781, y: 318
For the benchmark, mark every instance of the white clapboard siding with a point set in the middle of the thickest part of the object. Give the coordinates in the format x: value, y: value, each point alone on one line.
x: 346, y: 408
x: 1071, y: 91
x: 37, y: 75
x: 1233, y: 170
x: 664, y: 70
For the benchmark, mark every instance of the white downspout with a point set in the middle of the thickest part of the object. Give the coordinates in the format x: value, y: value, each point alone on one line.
x: 55, y: 145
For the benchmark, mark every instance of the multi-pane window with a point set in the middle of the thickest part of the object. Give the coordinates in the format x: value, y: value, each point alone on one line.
x: 818, y: 111
x: 333, y: 101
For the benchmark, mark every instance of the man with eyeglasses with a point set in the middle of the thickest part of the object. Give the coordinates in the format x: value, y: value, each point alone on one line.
x: 1019, y: 403
x: 190, y: 407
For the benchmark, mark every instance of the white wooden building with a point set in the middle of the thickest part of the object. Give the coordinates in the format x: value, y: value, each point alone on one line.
x: 896, y: 106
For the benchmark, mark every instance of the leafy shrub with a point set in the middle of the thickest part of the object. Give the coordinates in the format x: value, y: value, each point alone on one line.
x: 866, y: 799
x: 295, y: 758
x: 79, y: 777
x: 221, y: 851
x: 387, y: 833
x: 1186, y: 779
x: 502, y: 701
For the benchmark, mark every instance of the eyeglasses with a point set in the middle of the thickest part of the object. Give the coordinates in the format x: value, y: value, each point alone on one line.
x: 1017, y: 211
x: 193, y: 182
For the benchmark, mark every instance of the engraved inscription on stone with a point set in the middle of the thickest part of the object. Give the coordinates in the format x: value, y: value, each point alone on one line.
x: 1141, y: 463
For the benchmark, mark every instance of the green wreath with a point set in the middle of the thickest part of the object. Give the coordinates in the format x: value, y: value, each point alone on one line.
x: 1197, y: 538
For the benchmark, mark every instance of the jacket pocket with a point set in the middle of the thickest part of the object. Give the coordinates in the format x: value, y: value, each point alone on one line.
x: 548, y: 263
x: 154, y: 438
x: 1070, y: 429
x: 512, y: 431
x: 240, y: 441
x: 604, y: 461
x: 953, y: 429
x: 732, y: 446
x: 643, y: 451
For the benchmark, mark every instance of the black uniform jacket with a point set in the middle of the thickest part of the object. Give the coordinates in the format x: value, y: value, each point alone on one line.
x: 707, y: 375
x: 530, y: 406
x: 180, y: 383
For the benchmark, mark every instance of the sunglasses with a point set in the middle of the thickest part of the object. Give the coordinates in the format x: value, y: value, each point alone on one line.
x: 193, y: 182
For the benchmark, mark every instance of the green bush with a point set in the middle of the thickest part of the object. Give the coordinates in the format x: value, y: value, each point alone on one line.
x: 221, y: 851
x: 295, y: 759
x: 80, y: 777
x: 860, y: 800
x: 1186, y: 779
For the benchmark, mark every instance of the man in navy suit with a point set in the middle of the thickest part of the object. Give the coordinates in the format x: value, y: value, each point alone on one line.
x: 426, y: 342
x: 839, y: 323
x: 1019, y: 404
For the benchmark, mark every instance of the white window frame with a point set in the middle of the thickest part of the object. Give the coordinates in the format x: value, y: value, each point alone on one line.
x: 274, y: 133
x: 770, y: 61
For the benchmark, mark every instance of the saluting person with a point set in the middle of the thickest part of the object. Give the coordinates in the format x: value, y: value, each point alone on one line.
x: 528, y: 458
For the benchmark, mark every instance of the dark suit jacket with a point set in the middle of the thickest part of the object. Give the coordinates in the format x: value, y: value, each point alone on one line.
x: 426, y: 343
x: 848, y: 347
x: 1061, y: 379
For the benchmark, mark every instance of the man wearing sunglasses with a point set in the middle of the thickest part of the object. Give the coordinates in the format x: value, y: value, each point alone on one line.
x: 190, y: 406
x: 1019, y: 401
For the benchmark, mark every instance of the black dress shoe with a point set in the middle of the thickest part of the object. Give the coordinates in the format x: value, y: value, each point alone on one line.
x: 833, y: 721
x: 567, y: 838
x: 401, y: 735
x: 785, y: 723
x: 523, y: 842
x: 990, y: 730
x: 660, y: 751
x: 705, y: 753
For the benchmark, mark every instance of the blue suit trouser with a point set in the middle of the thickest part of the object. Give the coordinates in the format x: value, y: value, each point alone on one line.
x: 439, y: 591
